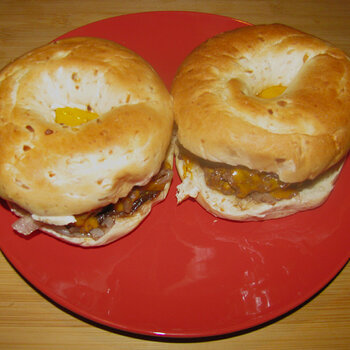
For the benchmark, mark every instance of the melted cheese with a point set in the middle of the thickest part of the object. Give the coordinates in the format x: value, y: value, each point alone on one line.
x: 73, y: 116
x: 86, y: 222
x: 243, y: 181
x: 272, y: 91
x: 187, y: 168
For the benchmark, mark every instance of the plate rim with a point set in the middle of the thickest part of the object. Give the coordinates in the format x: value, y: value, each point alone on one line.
x: 15, y: 263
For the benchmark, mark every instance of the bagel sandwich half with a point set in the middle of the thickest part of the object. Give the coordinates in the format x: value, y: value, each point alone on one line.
x: 263, y: 122
x: 85, y: 138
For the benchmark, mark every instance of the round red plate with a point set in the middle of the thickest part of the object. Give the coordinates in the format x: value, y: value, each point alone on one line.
x: 183, y: 272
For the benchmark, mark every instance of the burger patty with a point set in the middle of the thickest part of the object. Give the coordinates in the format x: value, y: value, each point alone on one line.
x: 241, y: 181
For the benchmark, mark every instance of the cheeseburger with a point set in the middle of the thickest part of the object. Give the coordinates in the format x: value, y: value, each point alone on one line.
x: 263, y: 122
x: 85, y: 140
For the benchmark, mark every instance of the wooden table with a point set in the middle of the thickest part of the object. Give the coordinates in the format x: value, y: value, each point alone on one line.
x: 29, y: 321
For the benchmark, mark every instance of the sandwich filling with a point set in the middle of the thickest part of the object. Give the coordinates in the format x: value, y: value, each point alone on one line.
x: 240, y: 181
x: 96, y: 223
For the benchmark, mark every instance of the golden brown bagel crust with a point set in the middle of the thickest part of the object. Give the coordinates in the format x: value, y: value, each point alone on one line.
x: 297, y: 135
x: 55, y: 170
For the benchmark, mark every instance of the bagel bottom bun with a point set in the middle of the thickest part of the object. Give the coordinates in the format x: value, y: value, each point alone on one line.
x: 112, y: 223
x: 308, y: 195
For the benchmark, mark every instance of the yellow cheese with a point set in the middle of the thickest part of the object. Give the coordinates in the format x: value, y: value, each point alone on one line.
x: 187, y: 167
x: 243, y: 182
x: 73, y: 116
x: 86, y: 222
x: 272, y: 91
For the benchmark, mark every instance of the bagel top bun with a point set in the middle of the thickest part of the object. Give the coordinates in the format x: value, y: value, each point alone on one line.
x: 54, y: 170
x: 297, y: 135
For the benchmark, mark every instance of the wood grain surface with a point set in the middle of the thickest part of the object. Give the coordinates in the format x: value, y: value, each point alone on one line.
x: 28, y: 320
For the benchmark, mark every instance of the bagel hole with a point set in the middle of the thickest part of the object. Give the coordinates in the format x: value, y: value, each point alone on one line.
x: 272, y: 91
x: 74, y: 116
x: 75, y: 87
x: 278, y: 67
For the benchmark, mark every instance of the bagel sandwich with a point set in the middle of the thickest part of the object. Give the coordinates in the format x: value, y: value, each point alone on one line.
x: 85, y: 140
x: 263, y: 122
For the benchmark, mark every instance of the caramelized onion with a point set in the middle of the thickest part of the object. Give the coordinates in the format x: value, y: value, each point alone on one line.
x: 25, y: 225
x: 96, y: 233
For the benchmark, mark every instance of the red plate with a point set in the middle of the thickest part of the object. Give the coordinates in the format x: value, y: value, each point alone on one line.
x: 183, y: 272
